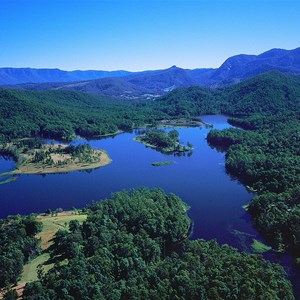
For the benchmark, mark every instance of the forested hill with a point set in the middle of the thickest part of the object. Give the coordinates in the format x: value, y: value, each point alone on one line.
x: 272, y: 93
x: 61, y: 114
x: 135, y: 246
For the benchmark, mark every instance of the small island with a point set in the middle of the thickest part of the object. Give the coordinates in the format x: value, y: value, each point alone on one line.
x: 183, y: 123
x: 34, y: 157
x: 161, y: 163
x: 164, y: 142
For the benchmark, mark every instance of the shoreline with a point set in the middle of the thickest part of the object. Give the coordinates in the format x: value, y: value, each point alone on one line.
x: 162, y: 150
x: 104, y: 135
x: 73, y: 167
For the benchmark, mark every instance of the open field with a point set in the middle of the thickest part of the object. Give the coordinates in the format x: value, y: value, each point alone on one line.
x: 51, y: 224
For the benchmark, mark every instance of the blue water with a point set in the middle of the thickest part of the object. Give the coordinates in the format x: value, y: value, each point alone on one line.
x: 6, y: 165
x: 215, y: 199
x: 200, y: 180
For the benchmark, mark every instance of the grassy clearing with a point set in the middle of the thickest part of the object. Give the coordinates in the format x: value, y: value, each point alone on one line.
x: 51, y: 224
x: 161, y: 163
x: 260, y: 247
x: 30, y: 269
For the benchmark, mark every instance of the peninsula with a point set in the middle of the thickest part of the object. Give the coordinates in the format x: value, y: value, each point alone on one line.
x: 34, y: 157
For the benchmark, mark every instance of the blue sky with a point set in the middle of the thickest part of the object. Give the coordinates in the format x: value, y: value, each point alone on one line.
x: 140, y: 35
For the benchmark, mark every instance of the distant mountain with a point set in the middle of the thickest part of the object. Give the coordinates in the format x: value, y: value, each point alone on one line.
x: 61, y: 114
x: 147, y: 84
x: 117, y: 87
x: 142, y: 84
x: 240, y: 67
x: 165, y: 80
x: 29, y: 75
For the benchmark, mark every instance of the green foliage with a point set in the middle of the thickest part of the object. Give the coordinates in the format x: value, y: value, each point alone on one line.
x: 160, y: 139
x: 270, y: 93
x: 10, y: 295
x: 161, y: 163
x: 267, y: 158
x: 188, y: 102
x: 164, y: 142
x: 61, y: 114
x: 17, y: 246
x: 134, y: 246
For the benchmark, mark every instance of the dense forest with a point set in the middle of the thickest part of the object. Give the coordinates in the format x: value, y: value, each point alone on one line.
x: 270, y: 93
x: 135, y: 246
x: 267, y: 158
x: 64, y: 114
x: 166, y: 142
x: 18, y: 245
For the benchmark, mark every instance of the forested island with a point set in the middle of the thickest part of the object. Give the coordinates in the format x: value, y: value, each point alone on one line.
x: 33, y: 156
x: 164, y: 142
x: 135, y: 245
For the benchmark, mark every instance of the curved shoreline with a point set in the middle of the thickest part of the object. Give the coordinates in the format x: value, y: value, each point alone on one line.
x: 162, y: 150
x: 105, y: 160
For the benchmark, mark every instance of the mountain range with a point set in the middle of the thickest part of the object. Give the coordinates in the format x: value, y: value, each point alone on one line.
x: 147, y: 84
x: 30, y: 75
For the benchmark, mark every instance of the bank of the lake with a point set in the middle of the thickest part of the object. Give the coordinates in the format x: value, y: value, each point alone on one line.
x: 72, y: 166
x: 165, y: 142
x: 56, y: 158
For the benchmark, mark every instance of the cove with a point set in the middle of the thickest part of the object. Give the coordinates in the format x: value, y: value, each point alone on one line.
x: 215, y: 199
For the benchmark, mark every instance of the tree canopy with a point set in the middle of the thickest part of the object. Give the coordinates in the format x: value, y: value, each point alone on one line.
x: 135, y: 245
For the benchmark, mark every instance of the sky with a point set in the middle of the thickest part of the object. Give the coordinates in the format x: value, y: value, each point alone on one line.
x: 142, y: 35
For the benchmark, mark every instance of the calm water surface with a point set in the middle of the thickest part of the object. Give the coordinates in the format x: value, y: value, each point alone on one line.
x: 200, y: 180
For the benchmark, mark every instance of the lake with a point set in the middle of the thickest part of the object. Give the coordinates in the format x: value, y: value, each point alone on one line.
x: 215, y: 199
